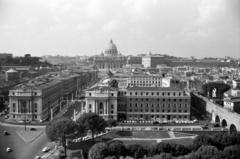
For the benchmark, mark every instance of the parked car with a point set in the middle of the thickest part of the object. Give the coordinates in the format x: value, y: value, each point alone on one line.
x: 45, y: 149
x: 33, y: 129
x: 5, y: 133
x: 216, y: 125
x: 8, y: 149
x: 37, y: 157
x: 155, y: 122
x: 204, y: 127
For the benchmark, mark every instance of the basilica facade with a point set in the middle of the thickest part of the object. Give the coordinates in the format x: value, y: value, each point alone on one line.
x: 110, y: 59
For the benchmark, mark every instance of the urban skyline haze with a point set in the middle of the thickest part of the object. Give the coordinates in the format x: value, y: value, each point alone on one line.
x: 181, y: 28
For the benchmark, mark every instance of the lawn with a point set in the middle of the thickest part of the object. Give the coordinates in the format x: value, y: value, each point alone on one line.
x: 140, y: 142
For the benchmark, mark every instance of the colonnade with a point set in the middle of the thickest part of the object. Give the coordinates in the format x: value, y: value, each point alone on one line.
x: 109, y: 65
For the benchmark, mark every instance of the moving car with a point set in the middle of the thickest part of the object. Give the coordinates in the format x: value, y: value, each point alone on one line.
x: 45, y: 149
x: 8, y: 149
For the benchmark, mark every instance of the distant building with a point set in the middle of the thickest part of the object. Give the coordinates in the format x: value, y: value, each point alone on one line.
x: 152, y: 60
x: 5, y: 55
x: 171, y: 82
x: 110, y: 59
x: 144, y: 81
x: 134, y: 60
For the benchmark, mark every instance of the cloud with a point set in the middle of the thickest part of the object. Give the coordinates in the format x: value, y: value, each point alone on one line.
x: 114, y: 25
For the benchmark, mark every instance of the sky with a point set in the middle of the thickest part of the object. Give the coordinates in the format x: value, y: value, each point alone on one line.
x: 182, y: 28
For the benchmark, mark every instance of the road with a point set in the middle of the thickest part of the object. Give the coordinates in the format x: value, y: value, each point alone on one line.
x: 21, y: 149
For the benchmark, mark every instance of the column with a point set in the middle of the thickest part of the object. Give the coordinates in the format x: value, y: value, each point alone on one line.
x: 96, y: 111
x: 29, y: 107
x: 18, y: 106
x: 51, y: 114
x: 105, y: 108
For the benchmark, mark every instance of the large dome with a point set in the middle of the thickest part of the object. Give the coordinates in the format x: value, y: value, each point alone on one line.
x: 111, y: 49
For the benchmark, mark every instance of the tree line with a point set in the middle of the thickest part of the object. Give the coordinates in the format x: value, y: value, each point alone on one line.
x: 220, y: 146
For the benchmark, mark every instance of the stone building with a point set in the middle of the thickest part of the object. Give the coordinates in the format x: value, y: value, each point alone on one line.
x: 138, y: 103
x: 110, y: 59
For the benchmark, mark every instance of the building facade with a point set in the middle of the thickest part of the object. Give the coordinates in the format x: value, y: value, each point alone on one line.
x: 151, y: 61
x: 138, y: 103
x: 35, y: 100
x: 144, y: 81
x: 110, y: 59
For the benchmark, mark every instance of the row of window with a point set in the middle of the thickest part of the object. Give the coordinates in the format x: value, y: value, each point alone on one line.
x: 158, y: 105
x: 155, y: 93
x: 146, y: 82
x: 157, y: 116
x: 163, y: 110
x: 147, y: 78
x: 146, y: 99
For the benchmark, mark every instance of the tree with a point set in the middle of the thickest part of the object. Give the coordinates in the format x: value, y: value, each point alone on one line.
x: 92, y: 122
x: 136, y: 151
x: 207, y: 151
x: 113, y: 83
x: 60, y: 129
x: 111, y: 123
x: 201, y: 140
x: 117, y: 149
x: 221, y: 88
x: 110, y: 74
x: 232, y: 152
x: 98, y: 151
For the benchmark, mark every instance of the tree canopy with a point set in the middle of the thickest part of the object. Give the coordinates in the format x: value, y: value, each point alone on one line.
x: 59, y: 129
x: 113, y: 83
x: 92, y: 122
x: 220, y: 88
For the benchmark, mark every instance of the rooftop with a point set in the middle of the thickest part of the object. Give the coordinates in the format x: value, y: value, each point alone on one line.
x: 154, y: 88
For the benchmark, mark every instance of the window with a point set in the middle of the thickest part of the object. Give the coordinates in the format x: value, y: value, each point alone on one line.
x: 14, y: 105
x: 141, y: 93
x: 147, y: 93
x: 13, y: 93
x: 130, y: 105
x: 112, y: 94
x: 163, y: 94
x: 157, y: 93
x: 152, y: 93
x: 101, y: 105
x: 90, y: 106
x: 136, y: 105
x: 180, y: 100
x: 35, y: 93
x: 152, y: 110
x: 186, y: 105
x: 90, y: 94
x: 168, y: 94
x: 130, y: 93
x: 175, y: 100
x: 141, y: 116
x: 130, y: 99
x: 152, y: 116
x: 13, y: 116
x: 163, y: 99
x: 135, y: 93
x: 130, y: 110
x: 111, y: 112
x: 141, y: 105
x: 35, y: 116
x: 146, y: 99
x: 136, y: 99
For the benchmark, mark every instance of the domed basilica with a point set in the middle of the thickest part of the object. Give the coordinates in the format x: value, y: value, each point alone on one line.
x: 110, y: 59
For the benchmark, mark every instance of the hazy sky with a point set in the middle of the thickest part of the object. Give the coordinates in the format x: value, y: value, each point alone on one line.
x: 200, y: 28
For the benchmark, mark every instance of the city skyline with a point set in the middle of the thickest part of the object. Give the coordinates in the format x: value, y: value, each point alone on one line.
x: 183, y: 28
